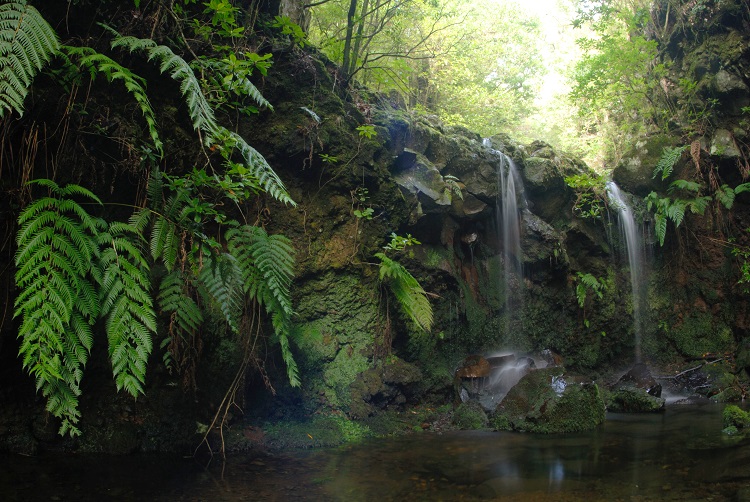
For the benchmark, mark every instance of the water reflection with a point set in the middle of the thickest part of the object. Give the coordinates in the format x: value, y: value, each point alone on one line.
x: 677, y: 455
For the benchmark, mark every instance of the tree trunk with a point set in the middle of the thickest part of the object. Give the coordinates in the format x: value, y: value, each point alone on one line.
x: 348, y: 40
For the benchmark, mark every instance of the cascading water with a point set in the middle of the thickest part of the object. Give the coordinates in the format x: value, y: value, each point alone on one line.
x: 510, y: 190
x: 635, y: 251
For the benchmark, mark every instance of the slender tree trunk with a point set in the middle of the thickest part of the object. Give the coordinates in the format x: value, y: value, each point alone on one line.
x: 348, y: 40
x: 358, y: 38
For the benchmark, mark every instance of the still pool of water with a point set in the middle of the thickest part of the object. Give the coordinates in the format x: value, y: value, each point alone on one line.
x: 680, y: 454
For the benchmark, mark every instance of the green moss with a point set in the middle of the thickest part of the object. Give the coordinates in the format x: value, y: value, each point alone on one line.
x: 549, y: 401
x: 735, y: 416
x: 633, y: 400
x: 501, y: 422
x: 700, y: 333
x: 326, y: 431
x: 469, y: 416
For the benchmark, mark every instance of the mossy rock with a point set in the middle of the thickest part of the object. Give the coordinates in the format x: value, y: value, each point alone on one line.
x: 469, y: 416
x: 736, y: 417
x: 633, y: 400
x: 635, y: 173
x: 549, y: 400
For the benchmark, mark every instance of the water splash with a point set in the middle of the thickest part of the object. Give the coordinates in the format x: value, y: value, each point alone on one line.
x: 636, y: 261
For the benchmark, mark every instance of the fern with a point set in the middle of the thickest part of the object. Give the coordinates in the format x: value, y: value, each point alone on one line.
x: 203, y: 117
x: 267, y: 266
x: 97, y: 63
x: 669, y: 158
x: 410, y: 296
x: 725, y: 195
x: 689, y: 186
x: 127, y: 306
x: 222, y: 279
x: 27, y: 42
x: 745, y: 187
x: 55, y: 260
x: 185, y: 317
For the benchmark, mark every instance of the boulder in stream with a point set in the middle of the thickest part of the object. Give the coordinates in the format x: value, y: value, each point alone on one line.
x: 550, y: 400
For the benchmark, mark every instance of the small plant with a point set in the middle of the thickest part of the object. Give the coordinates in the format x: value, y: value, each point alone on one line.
x: 452, y: 187
x: 587, y: 283
x: 367, y: 131
x: 399, y: 243
x: 405, y: 288
x: 667, y: 161
x: 359, y: 198
x: 289, y: 27
x: 590, y: 192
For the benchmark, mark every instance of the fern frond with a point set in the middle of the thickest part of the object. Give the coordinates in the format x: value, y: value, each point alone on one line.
x: 112, y: 70
x: 690, y: 186
x: 699, y: 204
x: 668, y: 159
x: 745, y: 187
x: 410, y: 296
x: 223, y: 281
x: 201, y: 113
x: 55, y: 260
x: 676, y: 211
x: 725, y: 195
x: 27, y: 42
x: 267, y: 265
x: 660, y: 227
x: 185, y: 315
x: 292, y: 371
x: 257, y: 166
x: 127, y: 306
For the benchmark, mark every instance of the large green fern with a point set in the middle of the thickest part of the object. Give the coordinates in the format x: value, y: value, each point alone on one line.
x: 267, y: 266
x: 127, y: 306
x: 27, y: 42
x: 406, y: 289
x: 203, y: 117
x: 56, y: 261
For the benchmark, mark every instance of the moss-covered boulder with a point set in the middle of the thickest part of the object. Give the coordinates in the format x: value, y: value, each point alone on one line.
x: 470, y: 415
x: 635, y: 173
x: 633, y: 400
x: 550, y: 400
x: 388, y: 385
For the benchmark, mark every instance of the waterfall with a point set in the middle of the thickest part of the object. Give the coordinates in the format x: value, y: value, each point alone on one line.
x: 635, y: 251
x: 510, y: 187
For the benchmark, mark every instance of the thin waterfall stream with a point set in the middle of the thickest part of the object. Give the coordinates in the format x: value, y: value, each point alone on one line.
x: 510, y: 189
x: 634, y: 245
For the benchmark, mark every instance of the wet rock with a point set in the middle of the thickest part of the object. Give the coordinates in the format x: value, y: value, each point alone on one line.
x: 635, y: 173
x: 637, y: 391
x: 469, y: 416
x: 723, y: 145
x: 474, y: 366
x: 550, y: 400
x: 385, y: 386
x: 633, y: 400
x: 639, y: 376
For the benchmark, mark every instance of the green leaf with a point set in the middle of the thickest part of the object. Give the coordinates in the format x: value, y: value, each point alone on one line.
x: 27, y: 42
x: 410, y: 296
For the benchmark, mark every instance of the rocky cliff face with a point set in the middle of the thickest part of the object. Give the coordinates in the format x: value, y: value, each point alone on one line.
x: 700, y: 307
x: 441, y: 185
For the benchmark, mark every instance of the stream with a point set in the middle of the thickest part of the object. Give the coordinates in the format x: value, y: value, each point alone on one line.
x: 680, y: 454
